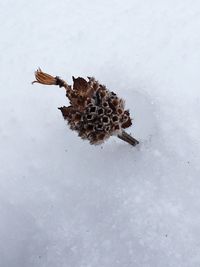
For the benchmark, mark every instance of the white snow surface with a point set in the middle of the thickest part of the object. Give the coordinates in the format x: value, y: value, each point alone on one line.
x: 65, y: 203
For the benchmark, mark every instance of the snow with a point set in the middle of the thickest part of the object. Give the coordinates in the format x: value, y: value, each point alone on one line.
x: 65, y: 203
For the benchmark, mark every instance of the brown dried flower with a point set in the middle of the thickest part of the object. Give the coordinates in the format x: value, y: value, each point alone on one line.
x: 94, y: 112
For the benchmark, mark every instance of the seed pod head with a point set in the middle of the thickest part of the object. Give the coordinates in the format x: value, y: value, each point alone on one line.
x: 95, y: 112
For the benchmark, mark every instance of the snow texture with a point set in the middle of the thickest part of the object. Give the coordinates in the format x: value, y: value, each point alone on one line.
x: 65, y: 203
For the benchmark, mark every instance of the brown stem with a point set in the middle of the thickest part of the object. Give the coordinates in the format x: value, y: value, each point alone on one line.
x: 128, y: 138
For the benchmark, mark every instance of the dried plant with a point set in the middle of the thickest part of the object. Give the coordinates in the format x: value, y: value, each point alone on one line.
x: 94, y: 112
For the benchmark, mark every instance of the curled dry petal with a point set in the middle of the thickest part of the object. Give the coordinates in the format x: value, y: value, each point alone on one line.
x: 44, y: 78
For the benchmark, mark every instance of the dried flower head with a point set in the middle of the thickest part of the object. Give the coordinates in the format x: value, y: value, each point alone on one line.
x: 94, y: 112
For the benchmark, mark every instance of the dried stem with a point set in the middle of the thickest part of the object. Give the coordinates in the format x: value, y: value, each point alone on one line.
x: 128, y: 138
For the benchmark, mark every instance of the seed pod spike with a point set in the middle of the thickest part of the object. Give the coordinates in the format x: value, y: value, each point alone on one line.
x: 94, y: 112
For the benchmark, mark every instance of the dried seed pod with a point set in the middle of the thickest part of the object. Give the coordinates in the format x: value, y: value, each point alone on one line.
x: 94, y: 112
